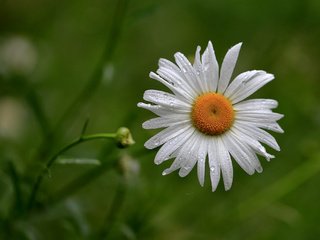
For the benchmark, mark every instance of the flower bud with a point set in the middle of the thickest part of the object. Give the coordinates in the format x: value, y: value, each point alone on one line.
x: 124, y: 138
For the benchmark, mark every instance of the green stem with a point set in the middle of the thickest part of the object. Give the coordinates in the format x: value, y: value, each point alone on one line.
x: 21, y: 86
x: 16, y: 185
x: 44, y: 171
x: 96, y: 78
x: 35, y: 105
x: 94, y: 81
x: 115, y: 207
x: 281, y: 187
x: 92, y: 174
x: 80, y: 182
x: 87, y: 177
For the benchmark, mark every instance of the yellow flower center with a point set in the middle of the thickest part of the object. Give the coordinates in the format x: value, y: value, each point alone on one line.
x: 212, y: 114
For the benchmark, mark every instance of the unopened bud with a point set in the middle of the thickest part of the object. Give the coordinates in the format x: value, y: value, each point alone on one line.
x: 124, y: 138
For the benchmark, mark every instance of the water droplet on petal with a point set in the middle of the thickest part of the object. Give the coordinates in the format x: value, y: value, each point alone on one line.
x: 165, y: 172
x: 156, y: 142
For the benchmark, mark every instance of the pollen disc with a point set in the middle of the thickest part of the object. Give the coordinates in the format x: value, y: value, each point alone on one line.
x: 212, y: 114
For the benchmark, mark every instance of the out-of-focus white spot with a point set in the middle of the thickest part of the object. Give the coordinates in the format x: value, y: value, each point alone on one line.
x: 17, y: 55
x: 108, y: 73
x: 13, y: 118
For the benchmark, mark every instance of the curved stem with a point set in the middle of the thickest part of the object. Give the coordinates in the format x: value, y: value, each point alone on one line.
x: 96, y: 78
x: 44, y: 171
x: 93, y: 82
x: 87, y: 177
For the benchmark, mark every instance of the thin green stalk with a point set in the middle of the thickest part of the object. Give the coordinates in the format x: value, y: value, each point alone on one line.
x: 54, y: 157
x: 16, y: 185
x: 281, y: 187
x: 96, y: 78
x: 35, y: 105
x: 85, y: 178
x: 89, y: 176
x: 80, y: 182
x: 21, y: 86
x: 94, y: 81
x: 115, y: 208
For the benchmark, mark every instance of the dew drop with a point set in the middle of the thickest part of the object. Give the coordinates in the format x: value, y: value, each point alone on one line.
x: 178, y: 82
x: 156, y: 142
x: 212, y: 169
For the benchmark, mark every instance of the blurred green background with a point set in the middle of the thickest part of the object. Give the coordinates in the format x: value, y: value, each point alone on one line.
x: 63, y: 62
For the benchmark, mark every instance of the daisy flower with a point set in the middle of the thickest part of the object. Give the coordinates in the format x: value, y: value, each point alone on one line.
x: 207, y: 119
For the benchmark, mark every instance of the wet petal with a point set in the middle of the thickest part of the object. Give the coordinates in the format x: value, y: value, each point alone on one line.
x: 227, y: 67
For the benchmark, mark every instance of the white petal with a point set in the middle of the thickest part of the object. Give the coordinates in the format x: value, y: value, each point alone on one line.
x: 166, y: 151
x: 161, y: 122
x: 210, y: 67
x: 175, y: 76
x: 214, y: 163
x: 173, y: 86
x: 260, y: 135
x: 272, y: 127
x: 258, y: 116
x: 237, y: 153
x: 197, y: 65
x: 256, y: 104
x: 188, y: 71
x: 227, y: 67
x: 246, y: 150
x: 166, y: 99
x: 191, y: 159
x: 165, y: 135
x: 241, y: 80
x: 203, y: 150
x: 225, y: 164
x: 249, y: 87
x: 162, y: 111
x: 197, y: 61
x: 268, y: 126
x: 165, y: 63
x: 184, y: 154
x: 252, y: 142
